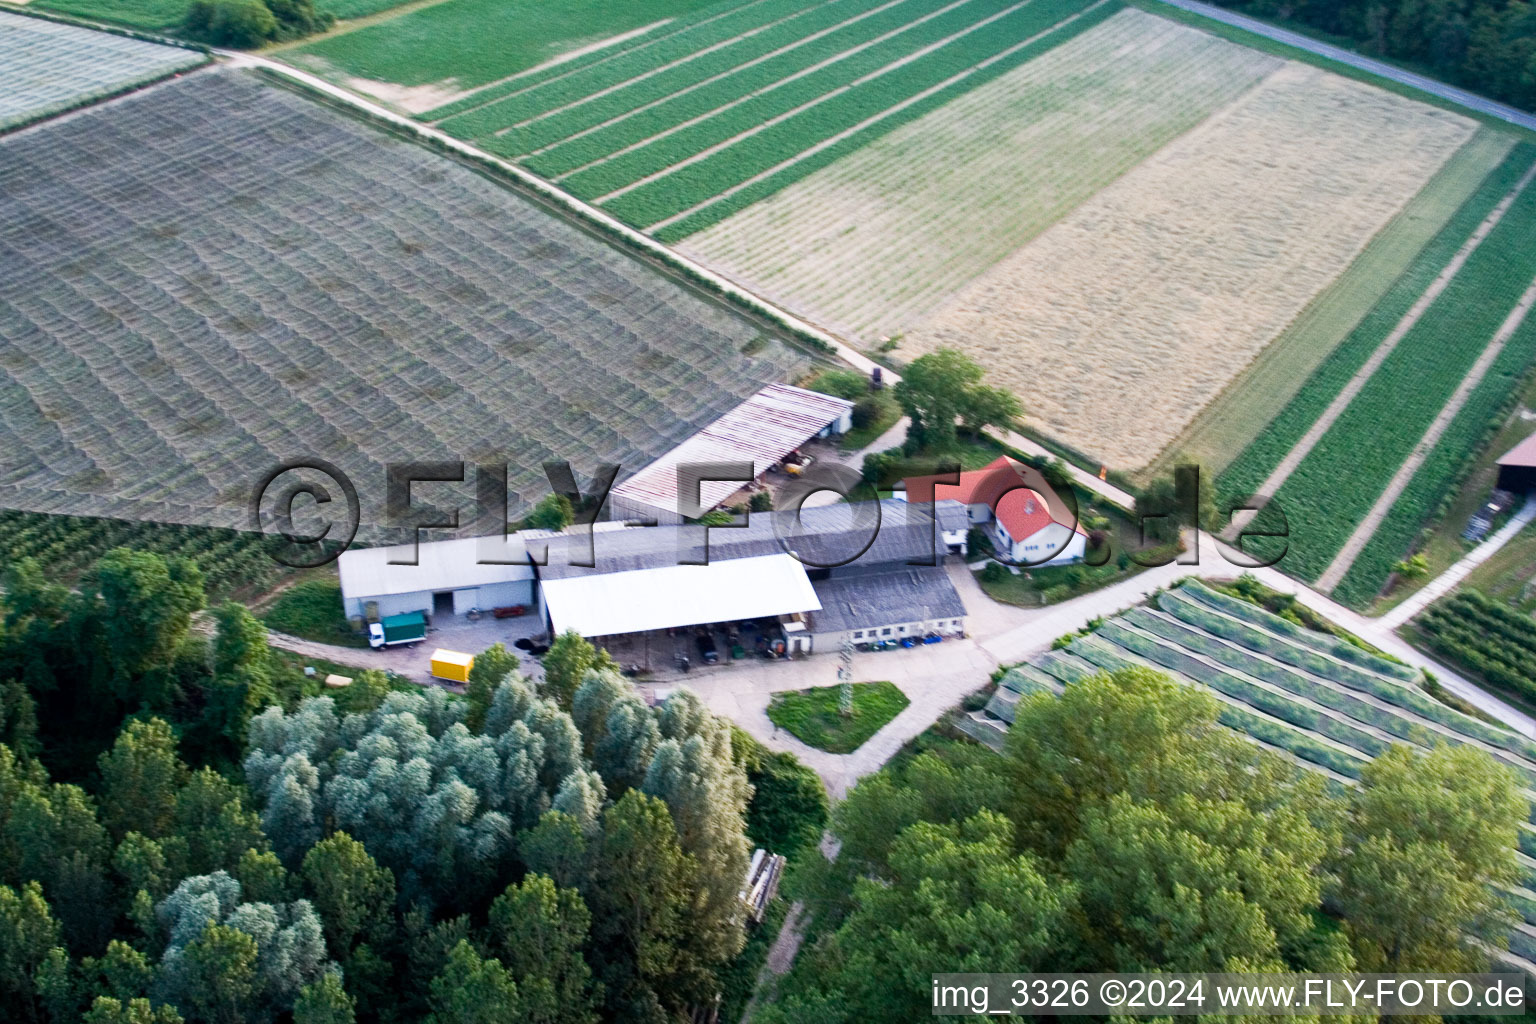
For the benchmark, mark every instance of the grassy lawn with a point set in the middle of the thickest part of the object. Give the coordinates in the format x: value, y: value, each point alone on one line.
x: 311, y: 610
x: 812, y: 717
x: 1444, y: 546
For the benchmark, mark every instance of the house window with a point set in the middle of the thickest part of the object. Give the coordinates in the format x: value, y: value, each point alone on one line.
x: 886, y: 631
x: 901, y: 629
x: 858, y: 634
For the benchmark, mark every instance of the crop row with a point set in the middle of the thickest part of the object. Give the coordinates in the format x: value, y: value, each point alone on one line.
x: 1171, y: 657
x: 1431, y: 491
x: 661, y: 153
x: 1244, y: 475
x: 770, y: 75
x: 685, y: 187
x: 1332, y: 646
x: 537, y: 91
x: 1334, y: 487
x: 715, y: 79
x: 1479, y: 634
x: 1397, y: 724
x: 1177, y: 603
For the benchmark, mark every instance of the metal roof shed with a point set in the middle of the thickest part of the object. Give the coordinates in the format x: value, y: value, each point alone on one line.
x: 486, y: 570
x: 608, y: 604
x: 1517, y: 469
x: 761, y: 430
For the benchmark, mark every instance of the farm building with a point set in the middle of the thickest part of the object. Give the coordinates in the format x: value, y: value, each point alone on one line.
x: 1026, y: 519
x: 449, y: 577
x: 765, y: 428
x: 801, y: 581
x: 1517, y: 469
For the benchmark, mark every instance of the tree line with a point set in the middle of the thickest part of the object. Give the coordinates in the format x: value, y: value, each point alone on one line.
x: 190, y: 832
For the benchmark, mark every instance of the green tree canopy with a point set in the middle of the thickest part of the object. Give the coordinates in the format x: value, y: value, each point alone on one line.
x: 942, y: 390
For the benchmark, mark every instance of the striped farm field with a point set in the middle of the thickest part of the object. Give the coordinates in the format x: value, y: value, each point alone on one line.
x: 1122, y: 321
x: 936, y: 203
x: 1240, y: 416
x: 1418, y: 385
x: 680, y: 127
x: 1314, y: 698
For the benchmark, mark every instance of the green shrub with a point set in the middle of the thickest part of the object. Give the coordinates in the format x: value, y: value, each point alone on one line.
x: 237, y: 23
x: 847, y: 384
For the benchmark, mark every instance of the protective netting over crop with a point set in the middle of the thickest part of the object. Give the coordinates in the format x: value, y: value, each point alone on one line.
x: 48, y: 67
x: 211, y: 277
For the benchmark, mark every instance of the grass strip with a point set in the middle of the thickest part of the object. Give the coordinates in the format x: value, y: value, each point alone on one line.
x: 1432, y: 490
x: 701, y: 76
x: 812, y: 715
x: 633, y: 79
x: 1238, y: 416
x: 646, y: 124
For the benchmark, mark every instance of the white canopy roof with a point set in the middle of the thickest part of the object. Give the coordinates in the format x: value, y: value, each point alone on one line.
x: 605, y: 604
x: 440, y: 565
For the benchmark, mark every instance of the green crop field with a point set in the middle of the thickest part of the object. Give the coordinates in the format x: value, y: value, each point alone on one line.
x: 469, y: 43
x: 1334, y: 486
x: 49, y: 67
x: 214, y: 276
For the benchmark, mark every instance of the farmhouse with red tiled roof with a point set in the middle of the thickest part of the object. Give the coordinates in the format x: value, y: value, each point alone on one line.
x: 1027, y: 520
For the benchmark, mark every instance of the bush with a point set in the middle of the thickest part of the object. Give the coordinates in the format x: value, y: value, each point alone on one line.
x: 236, y: 23
x: 246, y: 23
x: 789, y: 808
x: 846, y: 384
x: 866, y: 411
x: 762, y: 501
x: 992, y: 572
x: 312, y: 609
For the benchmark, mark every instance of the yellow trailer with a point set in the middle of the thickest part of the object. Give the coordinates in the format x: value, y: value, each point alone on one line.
x: 453, y: 666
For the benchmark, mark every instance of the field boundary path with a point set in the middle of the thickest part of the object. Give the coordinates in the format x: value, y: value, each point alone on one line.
x: 1362, y: 534
x: 1356, y: 383
x: 1443, y: 583
x: 1449, y: 93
